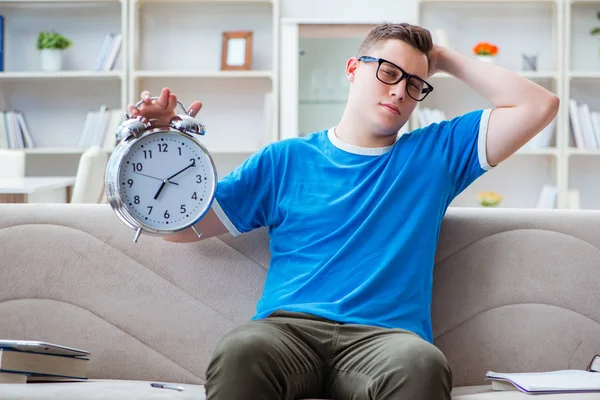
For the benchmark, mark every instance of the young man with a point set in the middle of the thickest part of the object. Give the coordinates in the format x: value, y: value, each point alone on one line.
x: 354, y: 215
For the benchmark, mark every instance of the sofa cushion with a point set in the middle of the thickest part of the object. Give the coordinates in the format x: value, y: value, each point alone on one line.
x: 99, y: 389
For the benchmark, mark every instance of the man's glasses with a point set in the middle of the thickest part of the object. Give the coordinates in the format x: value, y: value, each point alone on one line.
x: 390, y: 74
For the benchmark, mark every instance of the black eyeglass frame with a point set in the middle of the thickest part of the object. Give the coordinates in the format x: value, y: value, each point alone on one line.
x: 428, y: 88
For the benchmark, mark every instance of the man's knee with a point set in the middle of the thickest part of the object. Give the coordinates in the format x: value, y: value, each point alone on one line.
x: 244, y: 344
x: 416, y: 369
x: 429, y: 361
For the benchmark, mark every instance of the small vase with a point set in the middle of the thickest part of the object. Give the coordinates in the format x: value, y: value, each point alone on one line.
x: 488, y: 59
x: 51, y: 59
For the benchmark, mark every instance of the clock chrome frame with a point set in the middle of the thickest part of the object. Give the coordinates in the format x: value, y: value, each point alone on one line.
x: 113, y: 172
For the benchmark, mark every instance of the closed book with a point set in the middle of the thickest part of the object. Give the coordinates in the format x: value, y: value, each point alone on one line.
x: 47, y: 364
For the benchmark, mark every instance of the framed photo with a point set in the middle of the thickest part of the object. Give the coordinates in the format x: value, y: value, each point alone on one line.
x: 237, y: 50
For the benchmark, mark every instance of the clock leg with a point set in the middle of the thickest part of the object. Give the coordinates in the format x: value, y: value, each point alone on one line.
x: 197, y: 232
x: 137, y: 235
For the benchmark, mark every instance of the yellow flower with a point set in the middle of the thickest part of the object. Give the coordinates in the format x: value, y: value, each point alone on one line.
x: 489, y: 199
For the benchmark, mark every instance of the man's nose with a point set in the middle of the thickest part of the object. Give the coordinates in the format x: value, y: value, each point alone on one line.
x: 399, y: 89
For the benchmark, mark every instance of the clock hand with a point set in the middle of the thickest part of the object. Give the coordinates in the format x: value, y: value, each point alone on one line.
x: 162, y: 185
x: 177, y: 173
x: 164, y: 182
x: 154, y: 177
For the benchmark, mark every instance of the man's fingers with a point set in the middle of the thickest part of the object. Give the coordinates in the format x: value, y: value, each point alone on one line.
x: 194, y: 108
x: 132, y: 110
x: 163, y: 99
x: 146, y: 96
x: 172, y: 102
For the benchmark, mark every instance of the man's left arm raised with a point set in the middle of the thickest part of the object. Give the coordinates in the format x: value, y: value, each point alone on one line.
x: 522, y: 108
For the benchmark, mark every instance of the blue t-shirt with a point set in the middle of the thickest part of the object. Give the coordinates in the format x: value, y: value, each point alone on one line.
x: 354, y: 230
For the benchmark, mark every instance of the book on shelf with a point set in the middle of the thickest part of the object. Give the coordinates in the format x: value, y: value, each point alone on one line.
x: 560, y: 381
x: 109, y: 51
x: 99, y: 128
x: 548, y: 197
x: 585, y: 125
x: 573, y: 199
x: 40, y: 366
x: 14, y: 133
x: 543, y: 139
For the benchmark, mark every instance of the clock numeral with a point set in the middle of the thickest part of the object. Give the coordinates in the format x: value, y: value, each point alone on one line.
x: 198, y: 179
x: 167, y: 215
x: 130, y: 182
x: 149, y: 210
x: 179, y: 148
x: 194, y: 196
x: 137, y: 167
x: 147, y: 154
x: 193, y: 161
x: 183, y: 209
x: 136, y: 199
x: 162, y: 148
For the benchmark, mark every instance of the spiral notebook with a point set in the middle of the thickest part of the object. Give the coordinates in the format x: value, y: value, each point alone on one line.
x: 561, y: 381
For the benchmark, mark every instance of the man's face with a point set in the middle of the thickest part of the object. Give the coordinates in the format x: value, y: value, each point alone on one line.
x: 386, y: 107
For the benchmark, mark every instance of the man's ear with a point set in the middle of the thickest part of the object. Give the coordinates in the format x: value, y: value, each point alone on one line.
x: 351, y: 67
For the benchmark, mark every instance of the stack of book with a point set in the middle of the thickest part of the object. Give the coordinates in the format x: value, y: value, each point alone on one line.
x: 32, y: 361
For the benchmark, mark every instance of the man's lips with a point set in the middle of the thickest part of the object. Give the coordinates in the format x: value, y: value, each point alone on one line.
x: 391, y: 107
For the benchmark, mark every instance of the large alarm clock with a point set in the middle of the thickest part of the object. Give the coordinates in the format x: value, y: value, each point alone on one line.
x: 160, y: 179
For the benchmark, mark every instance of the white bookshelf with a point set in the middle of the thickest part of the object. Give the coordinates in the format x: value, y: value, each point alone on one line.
x: 516, y: 27
x: 582, y: 84
x: 55, y: 104
x: 177, y: 44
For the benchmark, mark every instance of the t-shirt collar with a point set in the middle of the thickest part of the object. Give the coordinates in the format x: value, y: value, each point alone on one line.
x: 350, y: 148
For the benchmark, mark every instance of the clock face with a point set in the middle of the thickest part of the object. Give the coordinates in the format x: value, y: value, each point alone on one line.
x: 166, y: 181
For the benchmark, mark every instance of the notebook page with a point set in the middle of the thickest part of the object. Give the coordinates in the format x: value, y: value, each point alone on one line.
x: 561, y: 380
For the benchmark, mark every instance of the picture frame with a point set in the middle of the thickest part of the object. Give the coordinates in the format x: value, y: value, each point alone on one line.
x: 237, y: 50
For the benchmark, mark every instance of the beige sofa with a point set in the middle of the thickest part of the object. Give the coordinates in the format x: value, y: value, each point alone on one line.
x: 515, y: 290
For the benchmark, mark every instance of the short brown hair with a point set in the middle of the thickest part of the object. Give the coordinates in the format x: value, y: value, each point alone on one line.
x: 416, y: 36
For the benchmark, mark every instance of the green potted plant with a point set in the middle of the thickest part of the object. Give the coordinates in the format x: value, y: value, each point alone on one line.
x: 596, y: 30
x: 51, y: 46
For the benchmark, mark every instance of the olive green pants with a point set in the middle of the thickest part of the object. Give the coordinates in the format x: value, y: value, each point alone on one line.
x: 297, y: 356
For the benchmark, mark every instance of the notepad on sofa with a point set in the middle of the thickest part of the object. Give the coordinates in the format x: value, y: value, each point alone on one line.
x: 561, y: 381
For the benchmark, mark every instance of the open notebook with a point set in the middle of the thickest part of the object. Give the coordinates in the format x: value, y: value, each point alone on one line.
x: 561, y: 381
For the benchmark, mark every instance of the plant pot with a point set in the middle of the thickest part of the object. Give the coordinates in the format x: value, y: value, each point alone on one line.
x: 51, y: 59
x: 488, y: 59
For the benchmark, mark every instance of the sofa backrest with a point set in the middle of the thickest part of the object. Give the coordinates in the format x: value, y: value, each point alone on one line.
x: 514, y: 290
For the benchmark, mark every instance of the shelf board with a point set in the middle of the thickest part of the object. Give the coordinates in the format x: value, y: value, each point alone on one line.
x: 325, y: 102
x: 585, y: 74
x: 232, y: 151
x: 583, y: 152
x: 488, y: 1
x: 61, y: 75
x: 52, y: 2
x: 545, y: 151
x: 207, y: 1
x: 526, y: 74
x: 80, y: 150
x: 203, y: 74
x: 55, y: 150
x: 585, y: 1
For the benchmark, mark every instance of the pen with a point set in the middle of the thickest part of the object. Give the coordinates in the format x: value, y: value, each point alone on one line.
x: 167, y: 386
